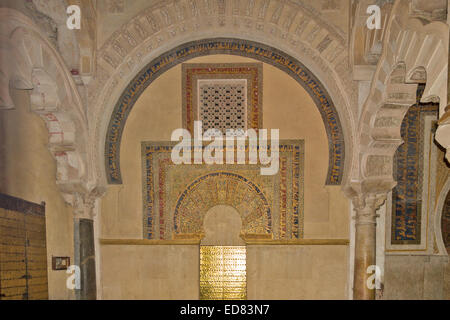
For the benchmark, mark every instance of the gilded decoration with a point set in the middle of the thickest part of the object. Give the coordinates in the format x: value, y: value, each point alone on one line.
x: 409, y: 170
x: 177, y: 197
x: 223, y: 273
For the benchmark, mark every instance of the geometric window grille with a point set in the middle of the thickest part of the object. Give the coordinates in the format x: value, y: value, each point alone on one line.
x: 223, y: 274
x: 222, y: 104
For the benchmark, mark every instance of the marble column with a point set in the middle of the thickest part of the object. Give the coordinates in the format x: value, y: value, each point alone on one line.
x: 84, y: 204
x: 365, y: 243
x: 85, y: 258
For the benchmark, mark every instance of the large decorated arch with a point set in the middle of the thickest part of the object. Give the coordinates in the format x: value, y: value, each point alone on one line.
x: 251, y: 49
x: 294, y: 28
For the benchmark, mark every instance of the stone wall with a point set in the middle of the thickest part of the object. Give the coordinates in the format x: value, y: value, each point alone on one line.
x: 150, y: 272
x: 414, y: 277
x: 297, y: 272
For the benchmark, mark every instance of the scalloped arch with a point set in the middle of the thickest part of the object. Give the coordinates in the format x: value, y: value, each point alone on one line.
x: 409, y: 49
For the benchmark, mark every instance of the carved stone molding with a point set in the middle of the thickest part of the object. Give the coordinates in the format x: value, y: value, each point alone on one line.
x: 411, y: 51
x: 77, y: 47
x: 84, y: 202
x: 365, y: 43
x: 440, y: 247
x: 365, y: 199
x: 429, y: 9
x: 291, y: 27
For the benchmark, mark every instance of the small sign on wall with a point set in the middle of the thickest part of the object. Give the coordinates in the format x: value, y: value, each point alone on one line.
x: 60, y: 263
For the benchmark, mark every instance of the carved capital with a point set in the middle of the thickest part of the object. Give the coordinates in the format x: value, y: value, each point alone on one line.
x: 366, y: 201
x: 83, y: 200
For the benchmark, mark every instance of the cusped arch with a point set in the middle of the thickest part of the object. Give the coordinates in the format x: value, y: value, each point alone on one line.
x: 222, y: 188
x: 411, y: 51
x: 35, y: 65
x: 251, y: 49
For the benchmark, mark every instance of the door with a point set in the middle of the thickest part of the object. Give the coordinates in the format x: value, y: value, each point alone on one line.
x: 23, y: 253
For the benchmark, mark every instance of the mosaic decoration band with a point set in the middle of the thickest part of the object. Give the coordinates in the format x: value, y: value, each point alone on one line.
x: 235, y: 47
x: 409, y: 171
x: 177, y: 197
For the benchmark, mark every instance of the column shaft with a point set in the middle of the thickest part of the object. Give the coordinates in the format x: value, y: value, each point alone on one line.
x: 85, y: 258
x: 365, y: 256
x: 365, y: 245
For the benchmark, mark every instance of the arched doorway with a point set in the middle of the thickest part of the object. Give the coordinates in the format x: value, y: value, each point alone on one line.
x: 223, y: 256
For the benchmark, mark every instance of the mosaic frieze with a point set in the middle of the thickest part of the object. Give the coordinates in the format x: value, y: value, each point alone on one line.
x: 177, y: 197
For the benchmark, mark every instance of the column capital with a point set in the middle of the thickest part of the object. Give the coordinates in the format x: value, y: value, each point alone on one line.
x: 371, y: 201
x: 366, y: 206
x: 83, y: 200
x: 364, y: 198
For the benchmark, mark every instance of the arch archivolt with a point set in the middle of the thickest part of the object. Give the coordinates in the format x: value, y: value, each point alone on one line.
x: 291, y: 27
x: 412, y: 53
x: 222, y: 188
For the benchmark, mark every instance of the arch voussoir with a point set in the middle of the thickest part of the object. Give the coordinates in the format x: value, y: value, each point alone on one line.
x: 53, y: 96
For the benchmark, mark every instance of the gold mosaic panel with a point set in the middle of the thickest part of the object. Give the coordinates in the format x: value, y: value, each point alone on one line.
x: 177, y: 197
x: 223, y: 273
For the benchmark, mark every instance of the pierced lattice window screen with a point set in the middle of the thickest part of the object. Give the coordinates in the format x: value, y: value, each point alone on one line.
x: 223, y: 104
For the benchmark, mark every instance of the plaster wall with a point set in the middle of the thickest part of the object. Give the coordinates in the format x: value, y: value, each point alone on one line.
x: 27, y: 171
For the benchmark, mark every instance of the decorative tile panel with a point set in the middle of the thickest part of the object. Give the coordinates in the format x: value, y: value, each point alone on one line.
x: 177, y: 197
